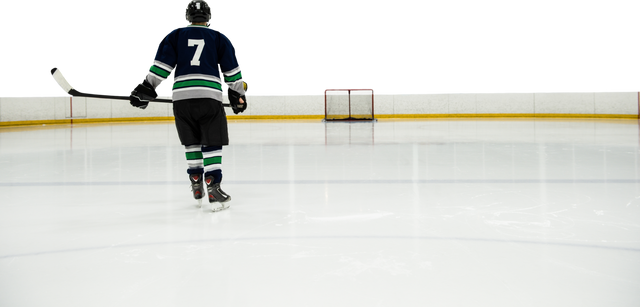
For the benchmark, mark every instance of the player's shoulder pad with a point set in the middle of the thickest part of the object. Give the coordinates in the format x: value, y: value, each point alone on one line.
x: 164, y: 36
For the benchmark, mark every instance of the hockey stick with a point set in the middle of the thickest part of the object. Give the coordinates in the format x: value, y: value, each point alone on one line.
x: 57, y: 75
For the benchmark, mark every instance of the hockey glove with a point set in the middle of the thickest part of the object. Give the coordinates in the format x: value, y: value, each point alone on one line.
x: 142, y: 94
x: 136, y: 102
x: 234, y: 101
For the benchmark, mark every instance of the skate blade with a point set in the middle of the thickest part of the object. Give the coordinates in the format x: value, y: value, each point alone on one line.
x: 218, y: 209
x: 199, y: 202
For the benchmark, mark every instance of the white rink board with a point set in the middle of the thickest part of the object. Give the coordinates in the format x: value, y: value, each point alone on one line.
x: 579, y: 104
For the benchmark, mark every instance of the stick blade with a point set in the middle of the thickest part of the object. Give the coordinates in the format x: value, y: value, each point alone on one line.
x: 57, y: 75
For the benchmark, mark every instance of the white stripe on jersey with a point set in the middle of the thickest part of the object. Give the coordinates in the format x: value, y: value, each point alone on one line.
x: 160, y: 79
x: 232, y: 72
x: 236, y: 82
x: 197, y: 77
x: 163, y: 66
x: 187, y: 89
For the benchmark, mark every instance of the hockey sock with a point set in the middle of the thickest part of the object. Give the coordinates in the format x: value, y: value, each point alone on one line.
x: 212, y: 161
x: 194, y: 159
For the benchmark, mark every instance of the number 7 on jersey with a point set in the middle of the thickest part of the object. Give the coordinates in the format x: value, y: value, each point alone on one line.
x: 199, y: 43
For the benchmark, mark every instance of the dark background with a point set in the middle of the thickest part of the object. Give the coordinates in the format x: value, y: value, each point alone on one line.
x: 302, y: 47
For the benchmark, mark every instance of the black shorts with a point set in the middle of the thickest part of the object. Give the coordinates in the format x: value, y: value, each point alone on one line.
x: 201, y: 121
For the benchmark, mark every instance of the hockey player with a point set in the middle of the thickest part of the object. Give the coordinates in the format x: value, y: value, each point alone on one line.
x: 195, y: 52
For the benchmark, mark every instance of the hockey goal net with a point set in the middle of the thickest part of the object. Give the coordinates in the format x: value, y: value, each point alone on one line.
x: 348, y: 104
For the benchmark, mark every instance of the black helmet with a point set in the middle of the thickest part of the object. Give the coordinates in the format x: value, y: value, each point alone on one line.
x: 198, y: 11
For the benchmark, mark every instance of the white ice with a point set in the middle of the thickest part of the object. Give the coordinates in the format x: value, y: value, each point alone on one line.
x: 394, y: 213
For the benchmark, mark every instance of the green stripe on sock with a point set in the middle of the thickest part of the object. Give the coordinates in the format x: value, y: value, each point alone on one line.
x: 212, y: 160
x: 194, y: 155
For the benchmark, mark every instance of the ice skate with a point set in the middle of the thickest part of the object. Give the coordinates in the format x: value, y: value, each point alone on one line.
x: 197, y: 187
x: 216, y: 194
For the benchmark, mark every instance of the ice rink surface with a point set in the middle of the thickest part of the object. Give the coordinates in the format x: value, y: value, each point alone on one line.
x: 395, y: 213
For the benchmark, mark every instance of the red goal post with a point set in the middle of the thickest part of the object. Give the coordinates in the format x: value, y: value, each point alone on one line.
x: 348, y: 104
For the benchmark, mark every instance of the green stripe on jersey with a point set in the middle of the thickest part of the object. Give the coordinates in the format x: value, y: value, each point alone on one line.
x: 194, y: 155
x: 233, y: 78
x: 202, y: 83
x: 212, y: 160
x: 159, y: 71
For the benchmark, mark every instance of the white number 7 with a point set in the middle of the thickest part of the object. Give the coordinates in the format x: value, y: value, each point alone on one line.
x: 199, y: 43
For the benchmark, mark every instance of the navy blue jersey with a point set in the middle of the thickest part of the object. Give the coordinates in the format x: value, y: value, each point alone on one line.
x: 195, y: 52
